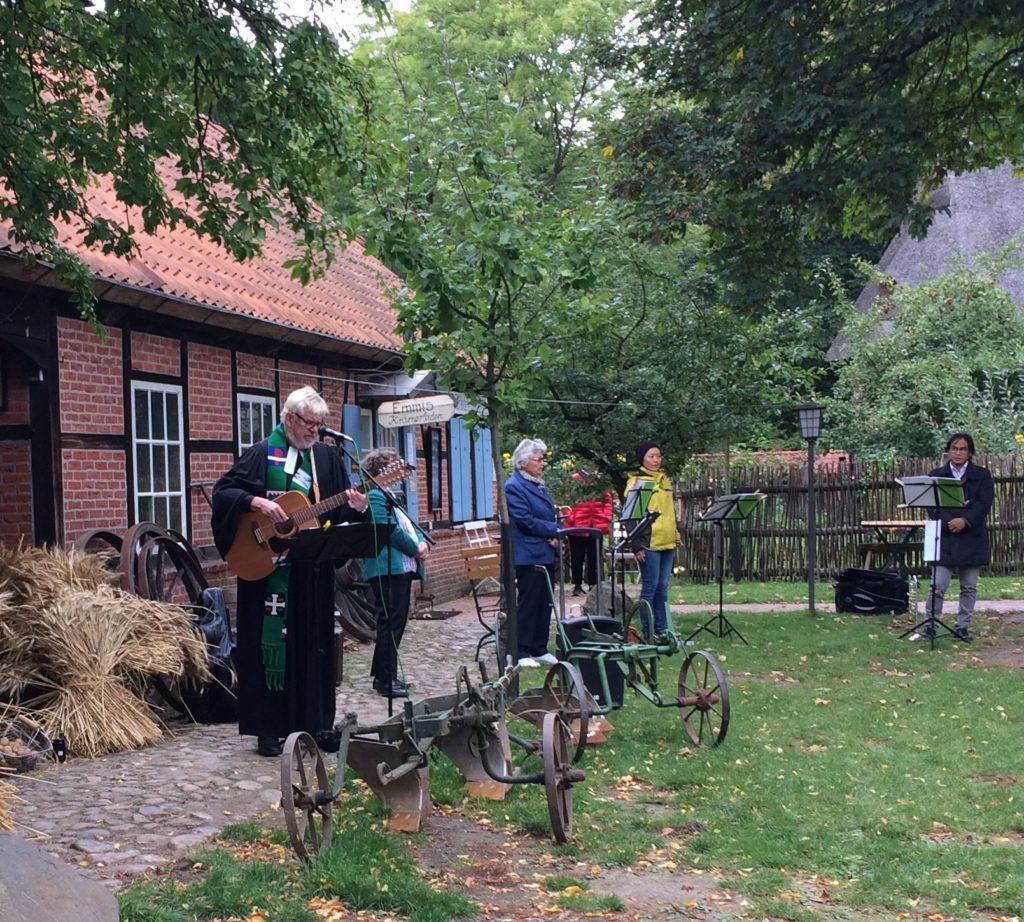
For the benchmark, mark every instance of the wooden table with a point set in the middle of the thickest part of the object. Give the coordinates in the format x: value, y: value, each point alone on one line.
x: 894, y: 539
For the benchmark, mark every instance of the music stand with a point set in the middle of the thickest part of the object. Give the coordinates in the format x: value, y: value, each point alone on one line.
x: 339, y: 542
x: 733, y: 507
x: 931, y: 493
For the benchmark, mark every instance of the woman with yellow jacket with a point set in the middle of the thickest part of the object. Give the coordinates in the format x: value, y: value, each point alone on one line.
x: 654, y: 547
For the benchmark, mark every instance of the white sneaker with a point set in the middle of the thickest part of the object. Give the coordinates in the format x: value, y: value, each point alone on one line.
x: 548, y: 659
x: 528, y: 662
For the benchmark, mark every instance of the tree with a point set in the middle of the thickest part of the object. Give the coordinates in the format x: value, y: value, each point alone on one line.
x: 792, y: 130
x: 488, y: 216
x: 253, y: 111
x: 927, y: 360
x: 670, y: 361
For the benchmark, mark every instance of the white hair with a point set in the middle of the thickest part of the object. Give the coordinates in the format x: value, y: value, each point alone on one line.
x: 525, y: 450
x: 305, y: 402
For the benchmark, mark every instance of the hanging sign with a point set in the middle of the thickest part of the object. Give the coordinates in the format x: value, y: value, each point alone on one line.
x: 438, y: 408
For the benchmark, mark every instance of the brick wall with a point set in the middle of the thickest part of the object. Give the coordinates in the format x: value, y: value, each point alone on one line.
x: 292, y: 376
x: 95, y: 490
x: 255, y: 371
x: 158, y: 355
x: 206, y: 467
x: 210, y: 408
x: 16, y: 509
x: 445, y: 568
x: 91, y: 381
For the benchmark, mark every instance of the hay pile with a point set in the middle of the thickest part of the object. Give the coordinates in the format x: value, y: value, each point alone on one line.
x: 76, y: 652
x: 6, y: 792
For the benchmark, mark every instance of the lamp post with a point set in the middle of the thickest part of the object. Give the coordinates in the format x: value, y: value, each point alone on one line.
x: 810, y: 429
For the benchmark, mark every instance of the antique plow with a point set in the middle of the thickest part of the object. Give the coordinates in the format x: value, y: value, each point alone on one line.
x: 468, y: 727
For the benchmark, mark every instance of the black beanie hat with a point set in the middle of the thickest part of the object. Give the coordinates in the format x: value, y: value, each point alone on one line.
x: 642, y: 450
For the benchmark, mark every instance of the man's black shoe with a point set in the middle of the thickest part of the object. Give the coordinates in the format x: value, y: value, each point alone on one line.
x: 397, y: 690
x: 961, y: 633
x: 328, y: 740
x: 269, y: 746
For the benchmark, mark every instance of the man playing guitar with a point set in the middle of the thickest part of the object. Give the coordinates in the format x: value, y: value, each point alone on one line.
x: 285, y: 617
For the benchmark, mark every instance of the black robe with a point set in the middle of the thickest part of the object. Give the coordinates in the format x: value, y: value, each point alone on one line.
x: 307, y: 700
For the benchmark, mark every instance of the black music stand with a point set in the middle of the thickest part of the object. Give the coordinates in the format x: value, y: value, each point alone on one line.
x: 733, y: 507
x: 931, y: 493
x: 339, y: 542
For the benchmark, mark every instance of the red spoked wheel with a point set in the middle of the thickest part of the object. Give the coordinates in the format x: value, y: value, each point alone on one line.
x: 703, y: 699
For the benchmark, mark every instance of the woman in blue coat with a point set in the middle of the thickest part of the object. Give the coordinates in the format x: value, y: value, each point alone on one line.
x: 534, y: 526
x: 390, y: 575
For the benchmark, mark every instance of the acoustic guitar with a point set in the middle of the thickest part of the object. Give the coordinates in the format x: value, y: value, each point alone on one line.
x: 260, y: 544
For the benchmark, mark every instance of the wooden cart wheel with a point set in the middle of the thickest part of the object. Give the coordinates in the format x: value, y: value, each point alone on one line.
x: 166, y: 571
x: 703, y: 699
x: 305, y: 796
x: 98, y: 540
x: 564, y: 686
x: 555, y: 736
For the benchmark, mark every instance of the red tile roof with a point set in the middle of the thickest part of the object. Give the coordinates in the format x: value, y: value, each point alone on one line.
x: 348, y: 303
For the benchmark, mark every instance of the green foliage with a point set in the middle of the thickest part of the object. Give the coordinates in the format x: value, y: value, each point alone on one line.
x: 930, y: 359
x: 255, y: 111
x: 670, y: 360
x: 490, y: 213
x: 768, y: 115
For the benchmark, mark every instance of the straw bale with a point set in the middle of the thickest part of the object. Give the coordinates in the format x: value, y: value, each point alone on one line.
x: 6, y: 793
x: 90, y: 647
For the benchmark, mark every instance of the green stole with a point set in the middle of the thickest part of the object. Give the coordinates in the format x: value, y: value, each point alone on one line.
x: 275, y: 606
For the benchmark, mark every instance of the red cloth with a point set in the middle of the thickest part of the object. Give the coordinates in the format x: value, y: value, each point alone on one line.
x: 591, y: 513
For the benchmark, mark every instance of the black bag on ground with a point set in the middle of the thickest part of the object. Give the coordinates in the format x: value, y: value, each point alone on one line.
x: 214, y: 701
x: 871, y: 592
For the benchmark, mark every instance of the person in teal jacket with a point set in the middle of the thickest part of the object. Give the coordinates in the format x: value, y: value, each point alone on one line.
x: 390, y: 575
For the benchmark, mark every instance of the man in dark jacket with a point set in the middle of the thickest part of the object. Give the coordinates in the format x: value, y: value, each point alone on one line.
x: 963, y: 545
x: 285, y: 654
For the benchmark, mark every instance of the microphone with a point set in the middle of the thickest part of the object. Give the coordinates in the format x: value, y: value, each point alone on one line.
x: 337, y: 436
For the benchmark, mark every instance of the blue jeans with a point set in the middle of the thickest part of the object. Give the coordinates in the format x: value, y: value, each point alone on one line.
x: 655, y: 572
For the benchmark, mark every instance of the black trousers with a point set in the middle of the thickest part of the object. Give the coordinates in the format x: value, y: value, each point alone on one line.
x: 583, y: 550
x: 391, y: 594
x: 533, y: 610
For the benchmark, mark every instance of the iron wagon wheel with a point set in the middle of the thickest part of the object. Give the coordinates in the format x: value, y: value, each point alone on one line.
x: 102, y: 541
x: 167, y: 571
x: 305, y: 796
x: 352, y: 621
x: 703, y: 699
x: 558, y: 775
x: 632, y: 624
x: 98, y: 539
x: 131, y: 547
x: 564, y: 686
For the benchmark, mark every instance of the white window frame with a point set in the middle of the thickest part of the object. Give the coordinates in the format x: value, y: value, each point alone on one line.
x: 253, y: 400
x: 160, y: 445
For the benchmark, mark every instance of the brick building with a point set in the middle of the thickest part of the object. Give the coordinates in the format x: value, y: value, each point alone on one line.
x: 103, y: 429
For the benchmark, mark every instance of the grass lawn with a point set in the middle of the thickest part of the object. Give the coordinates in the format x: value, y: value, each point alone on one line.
x: 683, y: 591
x: 861, y: 775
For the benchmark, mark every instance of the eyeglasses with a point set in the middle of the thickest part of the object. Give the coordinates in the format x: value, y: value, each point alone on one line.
x: 308, y: 423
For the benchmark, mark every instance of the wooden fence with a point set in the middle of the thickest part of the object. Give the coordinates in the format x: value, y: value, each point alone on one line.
x: 772, y: 543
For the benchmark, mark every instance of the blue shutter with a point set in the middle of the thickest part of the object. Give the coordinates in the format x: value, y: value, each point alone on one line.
x: 460, y: 471
x: 483, y: 473
x: 407, y: 440
x: 350, y: 419
x: 350, y: 426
